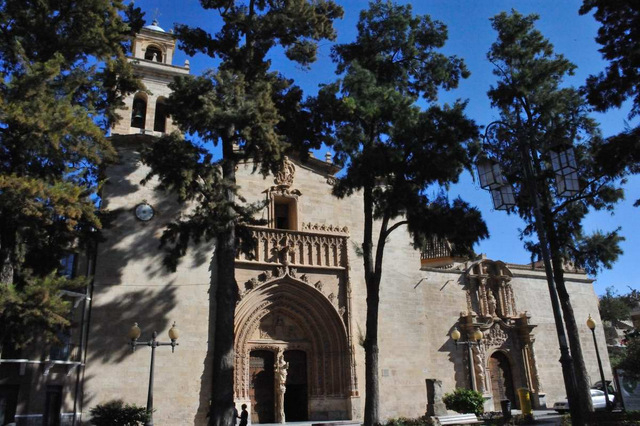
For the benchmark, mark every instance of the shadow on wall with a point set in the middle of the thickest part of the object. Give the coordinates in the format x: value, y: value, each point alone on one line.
x: 128, y: 239
x: 112, y: 320
x: 458, y: 360
x: 204, y: 406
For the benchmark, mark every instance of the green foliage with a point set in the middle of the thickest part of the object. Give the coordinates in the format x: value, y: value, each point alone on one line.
x: 614, y: 307
x: 35, y: 309
x: 254, y: 114
x: 619, y: 36
x: 116, y: 413
x: 539, y: 115
x: 630, y: 361
x: 393, y: 150
x: 63, y: 74
x: 464, y: 401
x: 389, y: 145
x: 404, y: 421
x: 497, y: 419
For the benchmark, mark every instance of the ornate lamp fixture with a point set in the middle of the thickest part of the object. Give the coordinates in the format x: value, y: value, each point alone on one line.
x: 566, y: 170
x: 473, y: 339
x: 491, y: 178
x: 134, y: 335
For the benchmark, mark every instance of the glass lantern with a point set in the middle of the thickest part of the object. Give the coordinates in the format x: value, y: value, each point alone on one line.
x: 489, y: 174
x: 566, y: 170
x: 503, y: 197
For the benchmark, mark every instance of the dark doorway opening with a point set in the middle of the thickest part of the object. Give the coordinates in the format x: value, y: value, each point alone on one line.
x: 53, y: 406
x: 501, y: 380
x: 261, y: 390
x: 295, y: 398
x: 8, y: 403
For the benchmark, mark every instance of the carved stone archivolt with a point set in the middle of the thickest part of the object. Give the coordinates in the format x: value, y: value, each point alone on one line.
x: 287, y: 313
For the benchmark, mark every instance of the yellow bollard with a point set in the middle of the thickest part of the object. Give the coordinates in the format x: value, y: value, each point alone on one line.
x: 525, y: 401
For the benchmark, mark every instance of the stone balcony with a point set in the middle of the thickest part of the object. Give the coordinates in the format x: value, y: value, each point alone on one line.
x: 314, y: 246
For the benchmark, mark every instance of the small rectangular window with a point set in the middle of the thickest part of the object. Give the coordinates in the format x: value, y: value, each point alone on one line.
x: 284, y: 213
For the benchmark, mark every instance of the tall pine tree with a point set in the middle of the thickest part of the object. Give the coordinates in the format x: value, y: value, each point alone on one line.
x: 252, y: 113
x: 63, y: 74
x: 394, y: 151
x: 538, y: 116
x: 619, y: 36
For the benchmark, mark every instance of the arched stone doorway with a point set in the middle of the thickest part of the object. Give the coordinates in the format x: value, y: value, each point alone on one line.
x: 289, y: 316
x: 501, y: 377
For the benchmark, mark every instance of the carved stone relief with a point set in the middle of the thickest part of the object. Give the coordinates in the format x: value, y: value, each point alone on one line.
x: 489, y: 290
x: 285, y: 175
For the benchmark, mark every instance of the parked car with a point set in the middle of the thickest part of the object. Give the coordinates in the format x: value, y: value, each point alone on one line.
x: 597, y: 397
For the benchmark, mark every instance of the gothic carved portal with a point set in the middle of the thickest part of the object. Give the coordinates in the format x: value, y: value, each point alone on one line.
x: 505, y: 360
x: 298, y: 324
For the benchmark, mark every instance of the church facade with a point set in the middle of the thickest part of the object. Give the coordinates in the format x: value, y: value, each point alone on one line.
x: 303, y: 299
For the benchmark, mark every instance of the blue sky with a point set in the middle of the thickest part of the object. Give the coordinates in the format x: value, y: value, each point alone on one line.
x: 470, y: 37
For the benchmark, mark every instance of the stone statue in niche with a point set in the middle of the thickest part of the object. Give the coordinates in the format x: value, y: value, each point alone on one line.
x: 281, y: 386
x: 491, y: 301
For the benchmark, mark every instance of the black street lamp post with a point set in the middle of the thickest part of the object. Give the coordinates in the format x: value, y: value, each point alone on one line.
x: 134, y: 334
x: 473, y: 339
x: 491, y: 178
x: 592, y: 326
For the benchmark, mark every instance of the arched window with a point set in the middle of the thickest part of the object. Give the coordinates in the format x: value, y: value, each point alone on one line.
x: 139, y: 111
x: 153, y: 53
x: 160, y: 120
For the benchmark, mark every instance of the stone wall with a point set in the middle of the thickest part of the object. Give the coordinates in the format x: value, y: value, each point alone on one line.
x: 418, y: 309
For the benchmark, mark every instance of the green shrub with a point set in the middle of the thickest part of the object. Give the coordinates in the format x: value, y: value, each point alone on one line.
x: 403, y: 421
x: 116, y: 413
x: 464, y: 401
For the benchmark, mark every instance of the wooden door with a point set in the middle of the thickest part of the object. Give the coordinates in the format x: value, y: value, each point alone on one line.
x: 501, y: 380
x: 261, y: 389
x: 295, y: 397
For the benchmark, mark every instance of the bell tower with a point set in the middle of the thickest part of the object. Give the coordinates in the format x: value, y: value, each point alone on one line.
x: 152, y: 59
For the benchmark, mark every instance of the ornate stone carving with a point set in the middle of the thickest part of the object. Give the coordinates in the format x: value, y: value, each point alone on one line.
x: 332, y: 298
x: 318, y: 286
x: 299, y: 248
x: 322, y: 227
x: 490, y: 290
x: 478, y: 365
x: 280, y: 370
x: 284, y: 177
x: 491, y: 303
x: 495, y: 337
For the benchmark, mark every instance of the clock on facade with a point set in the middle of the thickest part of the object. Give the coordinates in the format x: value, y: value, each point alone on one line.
x: 144, y: 212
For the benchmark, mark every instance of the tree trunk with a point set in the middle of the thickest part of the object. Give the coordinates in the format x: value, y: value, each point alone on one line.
x: 582, y: 389
x: 7, y: 245
x: 372, y: 384
x: 226, y: 296
x: 583, y: 394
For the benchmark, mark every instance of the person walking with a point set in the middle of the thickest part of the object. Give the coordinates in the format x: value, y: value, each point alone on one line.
x: 244, y: 416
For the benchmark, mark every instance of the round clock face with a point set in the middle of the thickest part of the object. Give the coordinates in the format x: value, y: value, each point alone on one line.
x: 144, y: 212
